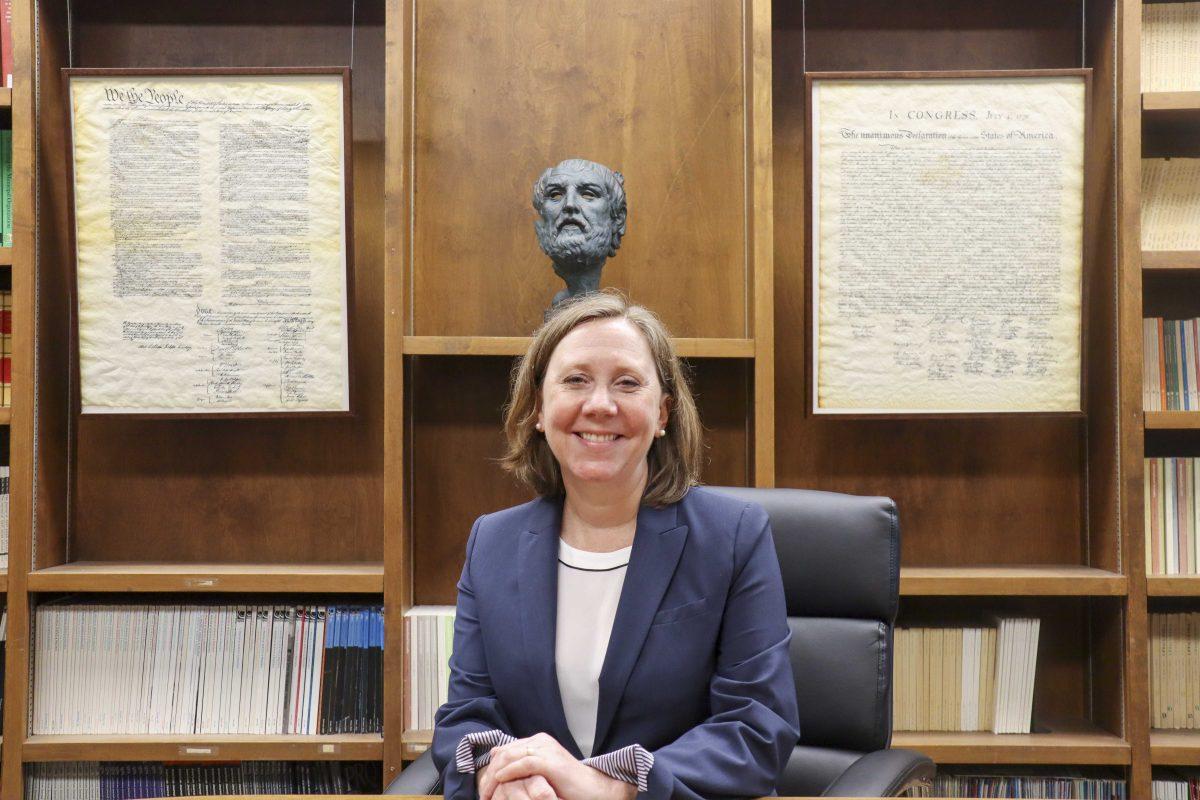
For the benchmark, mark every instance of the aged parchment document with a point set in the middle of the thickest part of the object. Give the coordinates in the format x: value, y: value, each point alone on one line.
x: 211, y: 244
x: 947, y: 244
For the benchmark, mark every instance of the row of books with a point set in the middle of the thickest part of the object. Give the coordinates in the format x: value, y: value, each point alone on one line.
x: 207, y: 669
x: 1175, y: 670
x: 1175, y: 784
x: 1170, y: 47
x: 1172, y: 516
x: 4, y: 493
x: 123, y: 781
x: 430, y: 632
x: 5, y: 348
x: 966, y: 679
x: 1170, y: 364
x: 6, y: 198
x: 1046, y: 782
x: 1171, y: 203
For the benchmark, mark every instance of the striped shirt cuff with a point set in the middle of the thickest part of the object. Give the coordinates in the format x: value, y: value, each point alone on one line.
x: 630, y: 764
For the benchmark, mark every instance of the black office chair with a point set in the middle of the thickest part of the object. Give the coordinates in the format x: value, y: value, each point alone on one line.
x: 840, y: 558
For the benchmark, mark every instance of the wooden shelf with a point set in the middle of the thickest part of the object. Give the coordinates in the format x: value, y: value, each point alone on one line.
x: 1173, y: 585
x: 1025, y: 580
x: 6, y: 256
x: 1172, y: 420
x: 5, y: 98
x: 236, y: 747
x: 1172, y: 102
x: 516, y: 345
x: 415, y: 742
x: 1175, y: 748
x: 5, y: 415
x: 1175, y: 260
x: 94, y: 576
x: 1083, y: 747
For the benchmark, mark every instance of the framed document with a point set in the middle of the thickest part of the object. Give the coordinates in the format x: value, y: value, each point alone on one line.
x: 211, y: 222
x: 946, y: 241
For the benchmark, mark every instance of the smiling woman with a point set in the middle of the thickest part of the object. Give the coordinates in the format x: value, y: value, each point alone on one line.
x: 626, y: 631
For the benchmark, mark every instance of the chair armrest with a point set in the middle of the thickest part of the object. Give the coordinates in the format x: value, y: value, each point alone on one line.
x: 419, y: 777
x: 884, y: 773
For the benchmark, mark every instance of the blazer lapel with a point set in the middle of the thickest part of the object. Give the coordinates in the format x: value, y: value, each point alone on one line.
x: 657, y: 546
x: 537, y: 579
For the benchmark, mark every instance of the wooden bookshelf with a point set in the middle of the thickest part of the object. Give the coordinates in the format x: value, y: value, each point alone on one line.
x: 85, y: 576
x: 1172, y: 420
x: 1172, y: 102
x: 516, y: 345
x: 1170, y: 260
x: 1173, y: 585
x: 416, y: 742
x: 1091, y: 748
x: 1020, y: 580
x: 1175, y: 748
x: 6, y: 256
x: 179, y: 747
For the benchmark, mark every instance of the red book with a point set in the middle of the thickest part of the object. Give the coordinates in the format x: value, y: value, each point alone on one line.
x: 6, y: 49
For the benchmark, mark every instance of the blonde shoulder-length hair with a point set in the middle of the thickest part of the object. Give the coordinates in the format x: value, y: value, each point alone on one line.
x: 673, y: 460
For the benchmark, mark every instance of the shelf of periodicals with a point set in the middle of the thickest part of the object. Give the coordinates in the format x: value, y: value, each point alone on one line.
x: 178, y: 747
x: 106, y: 576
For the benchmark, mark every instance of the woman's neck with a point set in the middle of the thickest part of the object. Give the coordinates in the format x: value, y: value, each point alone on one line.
x: 601, y: 519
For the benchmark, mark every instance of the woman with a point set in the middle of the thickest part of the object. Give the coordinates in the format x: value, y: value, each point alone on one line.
x: 626, y: 632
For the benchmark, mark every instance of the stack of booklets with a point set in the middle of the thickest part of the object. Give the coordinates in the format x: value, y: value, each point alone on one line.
x: 1169, y: 364
x: 4, y: 494
x: 6, y: 198
x: 1047, y: 782
x: 1171, y: 203
x: 207, y: 669
x: 965, y: 679
x: 430, y: 631
x: 1175, y: 670
x: 1171, y: 515
x: 123, y: 781
x: 5, y: 347
x: 1170, y: 47
x: 1175, y: 784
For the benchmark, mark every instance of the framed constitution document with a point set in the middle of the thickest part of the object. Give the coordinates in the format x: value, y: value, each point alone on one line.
x: 946, y: 241
x: 211, y: 222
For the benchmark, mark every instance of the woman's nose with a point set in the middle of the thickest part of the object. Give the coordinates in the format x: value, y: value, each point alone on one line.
x: 600, y: 401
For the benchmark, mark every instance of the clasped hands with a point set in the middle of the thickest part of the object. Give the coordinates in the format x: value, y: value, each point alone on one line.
x: 539, y: 768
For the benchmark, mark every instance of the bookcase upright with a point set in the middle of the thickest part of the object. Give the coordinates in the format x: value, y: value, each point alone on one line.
x: 457, y: 106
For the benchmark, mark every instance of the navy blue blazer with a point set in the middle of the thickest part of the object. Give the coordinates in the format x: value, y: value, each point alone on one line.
x: 697, y: 668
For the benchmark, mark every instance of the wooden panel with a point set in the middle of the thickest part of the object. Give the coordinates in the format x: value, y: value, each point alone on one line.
x: 504, y: 90
x: 1172, y: 420
x: 1008, y: 581
x: 517, y: 345
x: 1014, y: 748
x: 1177, y: 748
x: 457, y: 435
x: 166, y: 577
x: 101, y: 747
x: 1173, y: 585
x: 970, y: 492
x: 1170, y: 260
x: 286, y: 490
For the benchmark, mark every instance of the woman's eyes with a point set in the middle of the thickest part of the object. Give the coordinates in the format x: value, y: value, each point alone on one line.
x: 622, y: 383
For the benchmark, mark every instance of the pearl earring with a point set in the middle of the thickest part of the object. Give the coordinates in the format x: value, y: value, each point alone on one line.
x: 662, y: 432
x: 538, y: 425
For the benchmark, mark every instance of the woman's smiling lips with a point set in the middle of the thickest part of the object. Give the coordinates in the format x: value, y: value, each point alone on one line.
x: 597, y: 438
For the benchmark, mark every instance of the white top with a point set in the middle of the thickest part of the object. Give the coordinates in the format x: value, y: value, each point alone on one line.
x: 589, y: 587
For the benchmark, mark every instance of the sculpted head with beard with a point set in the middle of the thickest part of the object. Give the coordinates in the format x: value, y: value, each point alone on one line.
x: 581, y: 219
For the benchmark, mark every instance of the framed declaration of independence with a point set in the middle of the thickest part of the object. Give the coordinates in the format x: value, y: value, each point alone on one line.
x: 211, y: 231
x: 945, y: 224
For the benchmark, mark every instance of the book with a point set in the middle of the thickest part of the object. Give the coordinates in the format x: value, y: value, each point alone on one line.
x: 1027, y: 781
x: 1171, y: 47
x: 430, y: 632
x: 1171, y: 203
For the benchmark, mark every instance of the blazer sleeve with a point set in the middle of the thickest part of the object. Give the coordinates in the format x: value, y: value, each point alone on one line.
x: 744, y: 744
x: 472, y: 704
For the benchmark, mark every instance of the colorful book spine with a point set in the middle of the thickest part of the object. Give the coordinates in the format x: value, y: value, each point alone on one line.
x: 1170, y: 364
x: 5, y: 348
x: 6, y: 42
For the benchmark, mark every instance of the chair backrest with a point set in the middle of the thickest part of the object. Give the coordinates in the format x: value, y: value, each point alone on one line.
x: 840, y: 559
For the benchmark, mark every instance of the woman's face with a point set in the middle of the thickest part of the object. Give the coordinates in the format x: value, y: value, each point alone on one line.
x: 602, y: 404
